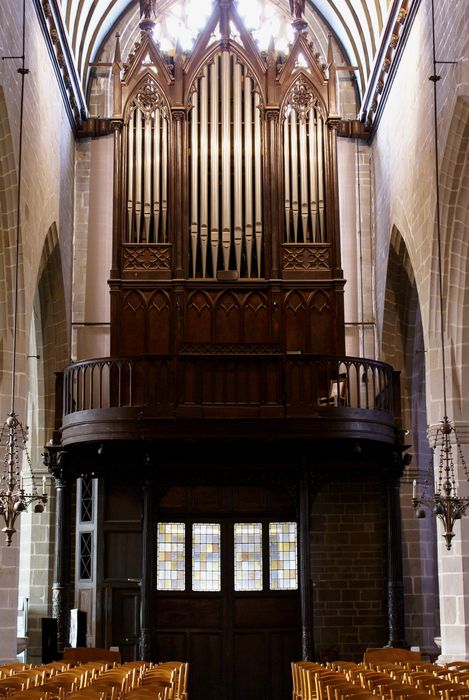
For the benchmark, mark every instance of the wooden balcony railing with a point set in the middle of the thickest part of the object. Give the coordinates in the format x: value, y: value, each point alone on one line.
x: 293, y: 384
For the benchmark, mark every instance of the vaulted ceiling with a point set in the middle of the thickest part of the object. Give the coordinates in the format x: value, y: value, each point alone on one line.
x: 357, y: 25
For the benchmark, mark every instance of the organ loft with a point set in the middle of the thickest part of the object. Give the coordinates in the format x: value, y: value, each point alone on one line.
x: 205, y: 449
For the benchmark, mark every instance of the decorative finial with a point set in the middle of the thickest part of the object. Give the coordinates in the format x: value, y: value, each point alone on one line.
x: 297, y: 8
x: 147, y: 15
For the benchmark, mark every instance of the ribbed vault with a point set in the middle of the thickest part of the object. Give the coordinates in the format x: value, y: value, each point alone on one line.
x: 357, y: 24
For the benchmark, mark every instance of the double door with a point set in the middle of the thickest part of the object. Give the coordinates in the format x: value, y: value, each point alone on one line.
x: 226, y: 599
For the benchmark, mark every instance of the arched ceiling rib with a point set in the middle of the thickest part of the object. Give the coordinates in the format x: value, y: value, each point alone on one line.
x: 357, y: 24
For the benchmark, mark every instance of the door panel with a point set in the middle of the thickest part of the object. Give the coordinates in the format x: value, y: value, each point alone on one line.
x: 124, y: 620
x: 239, y: 644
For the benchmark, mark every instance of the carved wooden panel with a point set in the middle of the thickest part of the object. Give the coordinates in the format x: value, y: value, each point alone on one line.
x: 296, y: 318
x: 305, y: 258
x: 255, y: 318
x: 133, y: 323
x: 321, y: 323
x: 227, y: 318
x: 159, y: 323
x: 198, y: 318
x: 146, y: 257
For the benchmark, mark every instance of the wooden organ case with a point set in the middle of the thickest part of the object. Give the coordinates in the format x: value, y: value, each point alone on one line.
x: 226, y: 233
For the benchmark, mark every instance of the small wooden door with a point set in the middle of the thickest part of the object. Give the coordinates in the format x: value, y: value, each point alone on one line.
x: 123, y: 618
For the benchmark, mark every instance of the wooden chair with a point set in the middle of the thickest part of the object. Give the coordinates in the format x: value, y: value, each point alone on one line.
x: 337, y: 392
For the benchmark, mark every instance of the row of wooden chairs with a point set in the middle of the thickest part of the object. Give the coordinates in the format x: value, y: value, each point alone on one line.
x: 95, y: 681
x: 394, y: 681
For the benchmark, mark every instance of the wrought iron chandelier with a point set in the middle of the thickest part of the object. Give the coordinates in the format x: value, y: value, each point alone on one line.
x: 14, y: 497
x: 445, y: 503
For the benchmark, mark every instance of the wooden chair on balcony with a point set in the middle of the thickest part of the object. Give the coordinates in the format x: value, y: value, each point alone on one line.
x: 337, y: 392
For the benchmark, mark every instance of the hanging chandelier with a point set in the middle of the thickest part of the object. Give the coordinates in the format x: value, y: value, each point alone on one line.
x: 14, y: 497
x: 444, y: 502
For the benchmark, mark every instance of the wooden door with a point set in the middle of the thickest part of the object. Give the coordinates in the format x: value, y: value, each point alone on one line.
x: 123, y: 620
x: 239, y: 643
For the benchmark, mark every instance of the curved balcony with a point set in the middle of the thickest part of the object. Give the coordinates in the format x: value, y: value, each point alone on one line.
x: 191, y: 395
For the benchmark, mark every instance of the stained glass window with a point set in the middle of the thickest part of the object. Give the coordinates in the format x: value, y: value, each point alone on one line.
x: 248, y: 556
x: 283, y: 556
x: 206, y: 563
x: 170, y: 568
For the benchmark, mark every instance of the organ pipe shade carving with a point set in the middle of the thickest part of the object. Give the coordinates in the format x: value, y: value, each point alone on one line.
x: 226, y: 223
x: 303, y: 156
x: 146, y: 134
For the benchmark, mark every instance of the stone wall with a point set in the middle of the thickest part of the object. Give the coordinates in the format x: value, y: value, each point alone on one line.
x: 46, y: 203
x: 348, y: 567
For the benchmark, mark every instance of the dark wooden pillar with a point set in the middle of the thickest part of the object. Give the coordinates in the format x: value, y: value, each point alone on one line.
x: 147, y: 568
x: 60, y: 586
x: 307, y: 644
x: 396, y: 626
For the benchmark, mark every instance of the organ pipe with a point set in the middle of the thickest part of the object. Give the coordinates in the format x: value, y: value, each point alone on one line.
x: 164, y: 184
x: 225, y: 158
x: 248, y: 203
x: 194, y: 185
x: 214, y: 207
x: 313, y: 203
x: 225, y: 171
x: 321, y: 179
x: 147, y: 163
x: 294, y: 168
x: 238, y: 164
x: 286, y: 168
x: 130, y: 175
x: 304, y: 178
x: 156, y: 177
x: 258, y: 181
x: 204, y: 170
x: 138, y: 172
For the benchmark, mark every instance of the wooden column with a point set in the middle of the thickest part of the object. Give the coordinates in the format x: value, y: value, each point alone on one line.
x: 272, y: 199
x: 307, y: 644
x: 180, y: 223
x: 60, y: 586
x: 395, y: 592
x: 147, y: 568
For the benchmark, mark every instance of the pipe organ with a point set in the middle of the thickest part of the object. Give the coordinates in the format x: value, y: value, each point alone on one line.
x: 146, y: 140
x: 226, y: 170
x: 226, y: 211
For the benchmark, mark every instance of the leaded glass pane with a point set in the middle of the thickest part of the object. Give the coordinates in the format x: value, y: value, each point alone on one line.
x: 170, y: 560
x: 283, y: 556
x: 86, y: 509
x: 206, y: 564
x: 248, y: 556
x: 86, y: 544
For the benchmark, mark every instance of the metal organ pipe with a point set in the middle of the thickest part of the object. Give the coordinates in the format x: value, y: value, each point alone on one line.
x: 304, y: 179
x: 238, y: 164
x: 258, y: 181
x: 248, y: 212
x: 147, y: 160
x: 164, y: 184
x: 194, y: 188
x: 286, y: 166
x: 294, y: 171
x: 225, y: 158
x: 130, y: 176
x: 203, y: 169
x: 156, y: 177
x: 313, y: 190
x: 214, y: 209
x: 138, y: 174
x: 321, y: 179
